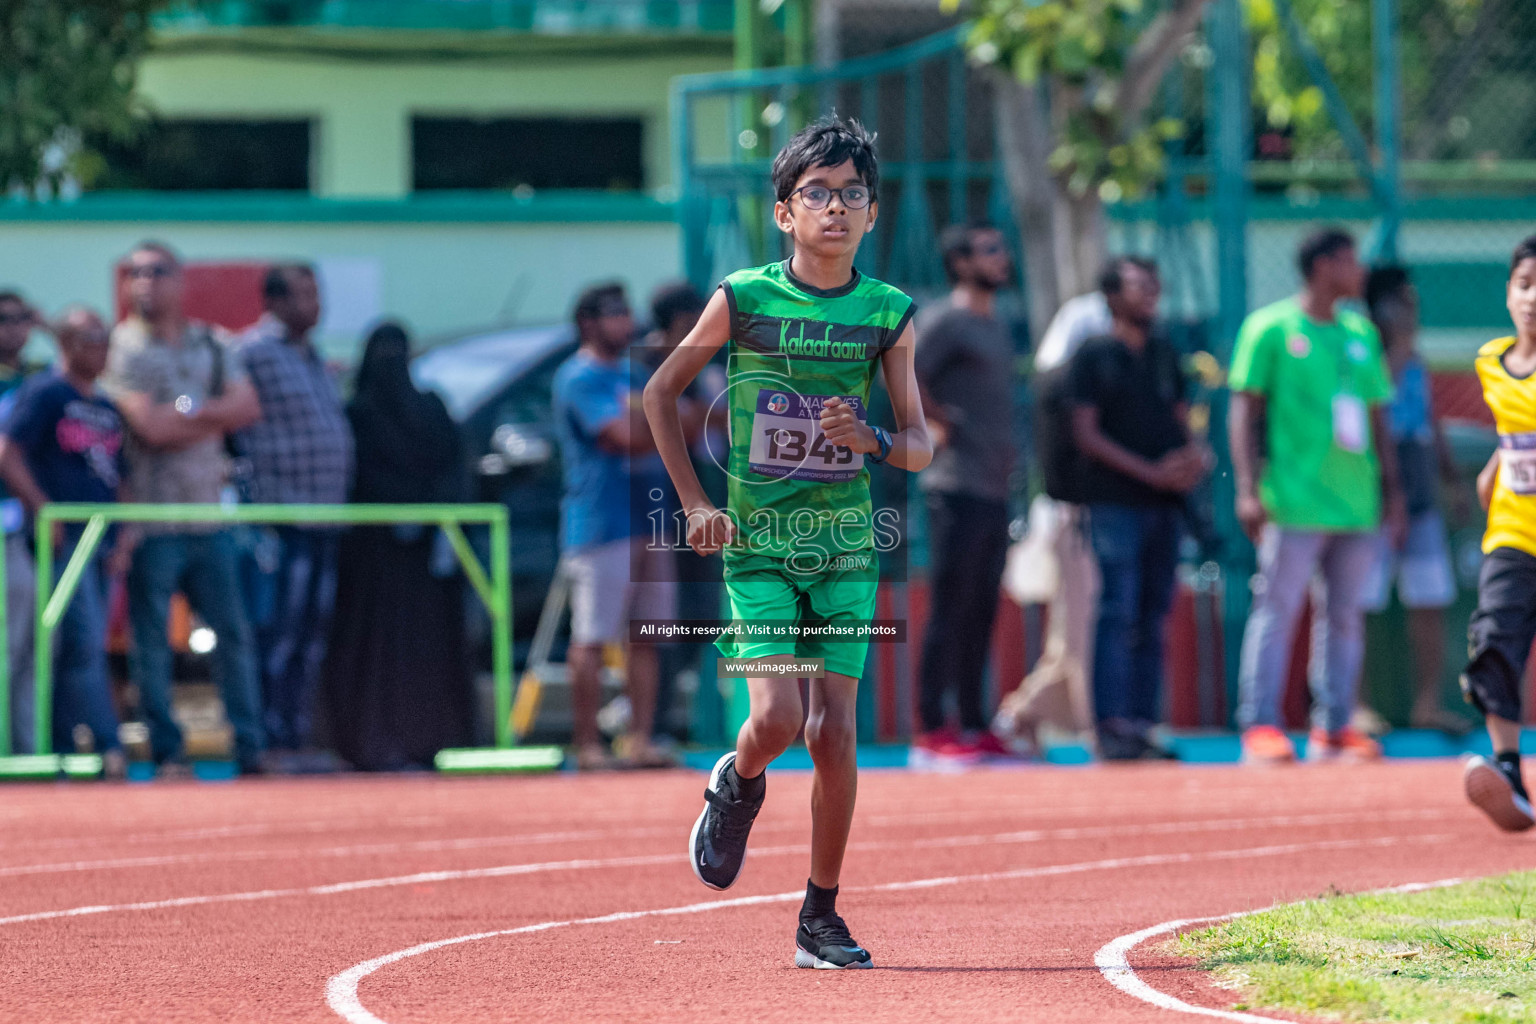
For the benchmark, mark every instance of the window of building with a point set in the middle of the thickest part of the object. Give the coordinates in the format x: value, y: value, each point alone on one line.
x: 531, y: 152
x: 208, y: 155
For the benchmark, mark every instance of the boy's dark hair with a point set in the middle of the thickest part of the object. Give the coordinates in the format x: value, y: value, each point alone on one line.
x: 955, y: 244
x: 1385, y: 282
x: 12, y: 295
x: 275, y: 284
x: 672, y: 301
x: 590, y: 303
x: 1320, y: 243
x: 826, y: 143
x: 1526, y: 250
x: 1112, y: 277
x: 159, y: 248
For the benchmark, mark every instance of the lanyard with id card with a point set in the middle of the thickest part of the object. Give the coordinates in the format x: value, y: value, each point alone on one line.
x: 1349, y: 423
x: 1351, y: 420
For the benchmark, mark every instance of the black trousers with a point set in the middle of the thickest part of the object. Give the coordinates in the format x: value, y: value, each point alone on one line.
x: 967, y: 546
x: 1500, y: 632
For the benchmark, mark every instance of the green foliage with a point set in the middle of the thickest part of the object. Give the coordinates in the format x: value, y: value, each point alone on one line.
x: 1463, y: 67
x: 66, y: 76
x: 1081, y: 50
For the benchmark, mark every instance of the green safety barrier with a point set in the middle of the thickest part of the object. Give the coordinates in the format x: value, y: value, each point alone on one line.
x: 494, y: 589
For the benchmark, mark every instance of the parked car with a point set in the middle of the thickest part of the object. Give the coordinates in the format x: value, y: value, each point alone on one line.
x: 496, y: 384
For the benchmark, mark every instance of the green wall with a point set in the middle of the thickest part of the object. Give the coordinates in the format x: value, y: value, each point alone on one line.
x: 362, y: 108
x: 443, y: 266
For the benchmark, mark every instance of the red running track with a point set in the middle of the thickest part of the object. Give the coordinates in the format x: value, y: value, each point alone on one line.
x: 251, y: 901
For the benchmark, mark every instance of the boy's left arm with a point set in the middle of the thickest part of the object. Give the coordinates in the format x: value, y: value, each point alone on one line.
x: 911, y: 447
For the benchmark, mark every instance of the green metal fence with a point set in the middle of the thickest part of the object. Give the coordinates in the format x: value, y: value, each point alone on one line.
x: 1414, y: 125
x: 932, y: 112
x: 494, y: 586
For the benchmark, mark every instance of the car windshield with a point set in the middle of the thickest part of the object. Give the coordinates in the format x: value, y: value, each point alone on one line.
x: 468, y: 372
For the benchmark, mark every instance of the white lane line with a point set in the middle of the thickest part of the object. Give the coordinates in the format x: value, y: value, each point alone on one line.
x: 122, y: 833
x: 1113, y: 960
x: 429, y: 877
x: 341, y: 990
x: 361, y: 849
x: 944, y: 842
x: 419, y: 878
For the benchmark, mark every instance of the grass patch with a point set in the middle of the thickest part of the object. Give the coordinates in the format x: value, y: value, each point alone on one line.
x: 1460, y: 955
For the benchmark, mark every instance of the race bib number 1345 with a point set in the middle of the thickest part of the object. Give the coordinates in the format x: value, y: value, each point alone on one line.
x: 787, y: 440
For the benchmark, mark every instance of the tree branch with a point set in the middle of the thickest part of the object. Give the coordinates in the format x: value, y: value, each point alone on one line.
x: 1154, y: 50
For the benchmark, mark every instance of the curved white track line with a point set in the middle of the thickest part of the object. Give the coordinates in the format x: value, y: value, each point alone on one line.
x: 1113, y: 961
x: 341, y: 990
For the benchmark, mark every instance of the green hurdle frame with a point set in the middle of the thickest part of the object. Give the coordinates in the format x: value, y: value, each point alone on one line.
x: 494, y: 588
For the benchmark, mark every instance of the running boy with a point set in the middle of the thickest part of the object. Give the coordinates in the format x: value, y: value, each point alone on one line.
x: 1502, y: 628
x: 798, y: 535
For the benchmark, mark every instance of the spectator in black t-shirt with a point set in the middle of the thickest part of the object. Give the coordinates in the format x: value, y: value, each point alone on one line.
x: 1128, y: 421
x: 64, y: 442
x: 964, y: 366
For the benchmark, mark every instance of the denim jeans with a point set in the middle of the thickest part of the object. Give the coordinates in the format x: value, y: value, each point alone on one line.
x: 1337, y: 567
x: 202, y: 566
x: 82, y: 684
x: 293, y: 641
x: 20, y: 587
x: 1137, y: 548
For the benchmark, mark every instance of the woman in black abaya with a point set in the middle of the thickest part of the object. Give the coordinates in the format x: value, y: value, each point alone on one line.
x: 398, y: 671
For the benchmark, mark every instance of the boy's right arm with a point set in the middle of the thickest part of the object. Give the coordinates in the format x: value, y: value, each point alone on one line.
x: 708, y: 529
x: 18, y: 476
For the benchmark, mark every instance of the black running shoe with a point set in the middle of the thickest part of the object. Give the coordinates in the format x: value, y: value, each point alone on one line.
x: 718, y: 844
x: 1492, y: 792
x: 824, y: 943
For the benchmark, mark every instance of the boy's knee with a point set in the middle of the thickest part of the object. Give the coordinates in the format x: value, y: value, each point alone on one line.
x: 829, y: 735
x: 1491, y: 683
x: 777, y: 720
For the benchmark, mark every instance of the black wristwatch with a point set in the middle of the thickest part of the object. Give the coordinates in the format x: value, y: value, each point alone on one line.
x: 883, y: 436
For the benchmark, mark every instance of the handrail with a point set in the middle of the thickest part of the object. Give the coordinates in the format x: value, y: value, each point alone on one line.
x: 494, y: 588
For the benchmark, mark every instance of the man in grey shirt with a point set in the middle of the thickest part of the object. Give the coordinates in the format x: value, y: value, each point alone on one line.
x: 964, y: 362
x: 180, y: 391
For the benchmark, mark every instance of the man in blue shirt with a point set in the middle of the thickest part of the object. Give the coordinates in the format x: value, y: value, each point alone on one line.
x: 17, y: 319
x: 613, y: 479
x: 63, y: 441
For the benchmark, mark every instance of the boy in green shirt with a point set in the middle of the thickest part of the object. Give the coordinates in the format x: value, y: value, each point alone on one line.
x: 798, y: 534
x: 1316, y: 477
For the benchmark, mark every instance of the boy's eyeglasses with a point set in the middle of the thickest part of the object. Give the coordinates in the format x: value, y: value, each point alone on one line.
x: 816, y: 197
x: 11, y: 319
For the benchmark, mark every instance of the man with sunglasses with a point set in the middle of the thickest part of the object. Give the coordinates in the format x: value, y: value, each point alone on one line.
x: 964, y: 363
x: 17, y: 319
x: 180, y: 391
